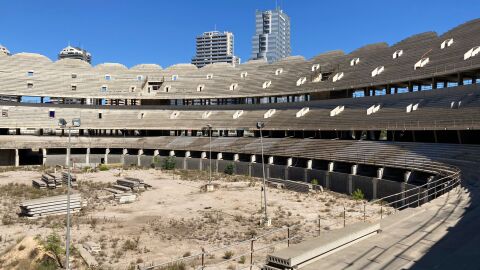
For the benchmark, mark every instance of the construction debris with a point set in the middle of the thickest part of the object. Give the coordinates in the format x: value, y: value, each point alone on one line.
x: 55, y: 205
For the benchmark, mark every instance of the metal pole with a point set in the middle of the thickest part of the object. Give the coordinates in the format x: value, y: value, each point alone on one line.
x: 344, y: 217
x: 251, y: 254
x: 319, y: 225
x: 288, y: 236
x: 210, y: 146
x: 364, y: 211
x: 67, y: 263
x: 264, y: 180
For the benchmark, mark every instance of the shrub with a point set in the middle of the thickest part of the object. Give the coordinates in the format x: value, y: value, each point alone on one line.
x: 314, y: 181
x: 358, y: 195
x: 228, y: 254
x: 168, y: 163
x: 242, y: 260
x: 103, y: 167
x: 176, y: 266
x: 229, y: 169
x: 54, y: 245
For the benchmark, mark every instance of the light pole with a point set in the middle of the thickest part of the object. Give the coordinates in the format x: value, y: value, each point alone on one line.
x: 63, y: 124
x: 260, y: 126
x: 210, y: 153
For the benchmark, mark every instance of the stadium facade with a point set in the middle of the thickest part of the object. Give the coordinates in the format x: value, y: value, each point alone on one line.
x: 382, y: 118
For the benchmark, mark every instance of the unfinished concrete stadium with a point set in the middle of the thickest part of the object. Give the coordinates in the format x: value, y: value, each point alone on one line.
x: 398, y: 124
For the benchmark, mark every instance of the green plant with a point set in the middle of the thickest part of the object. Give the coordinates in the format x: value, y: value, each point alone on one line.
x: 314, y: 181
x: 358, y: 195
x: 103, y: 167
x: 242, y: 260
x: 229, y: 169
x: 228, y: 254
x: 54, y: 245
x: 169, y: 163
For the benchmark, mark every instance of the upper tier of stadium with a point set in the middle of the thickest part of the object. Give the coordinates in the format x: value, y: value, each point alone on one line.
x: 421, y: 59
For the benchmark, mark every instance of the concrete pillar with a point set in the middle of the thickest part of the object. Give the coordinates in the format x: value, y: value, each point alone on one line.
x: 68, y: 155
x: 171, y: 153
x: 236, y: 157
x: 270, y: 160
x: 188, y: 154
x: 327, y: 180
x: 139, y: 155
x: 107, y: 151
x: 289, y: 162
x: 253, y: 158
x: 374, y: 188
x: 17, y: 158
x: 331, y: 165
x: 124, y: 153
x: 309, y: 164
x: 203, y: 155
x: 380, y: 173
x: 44, y: 156
x: 219, y: 156
x: 354, y: 169
x: 156, y: 153
x: 350, y: 184
x: 406, y: 176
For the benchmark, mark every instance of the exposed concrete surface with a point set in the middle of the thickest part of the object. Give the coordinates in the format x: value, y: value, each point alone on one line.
x: 443, y: 235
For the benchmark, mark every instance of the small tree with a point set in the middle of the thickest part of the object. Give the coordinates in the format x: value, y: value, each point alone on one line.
x: 358, y: 195
x: 229, y: 169
x: 54, y: 245
x: 169, y: 163
x: 314, y: 181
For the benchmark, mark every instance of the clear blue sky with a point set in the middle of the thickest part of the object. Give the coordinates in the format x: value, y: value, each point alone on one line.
x: 163, y: 32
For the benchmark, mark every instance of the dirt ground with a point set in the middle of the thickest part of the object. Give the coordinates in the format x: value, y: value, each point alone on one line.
x: 176, y: 217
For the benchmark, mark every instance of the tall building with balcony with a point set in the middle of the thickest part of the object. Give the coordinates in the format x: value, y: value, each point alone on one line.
x: 214, y: 47
x: 272, y: 35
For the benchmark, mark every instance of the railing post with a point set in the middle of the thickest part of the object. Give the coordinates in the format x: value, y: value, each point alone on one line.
x: 288, y: 236
x: 203, y: 258
x: 344, y: 216
x: 418, y: 197
x: 381, y: 209
x: 251, y: 253
x: 319, y: 225
x: 364, y: 211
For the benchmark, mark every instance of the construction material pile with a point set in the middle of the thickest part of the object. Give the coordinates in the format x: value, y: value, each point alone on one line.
x: 48, y: 180
x: 55, y: 205
x: 123, y: 189
x: 73, y: 179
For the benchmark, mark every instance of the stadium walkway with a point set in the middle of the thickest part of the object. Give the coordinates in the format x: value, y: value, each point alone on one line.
x: 444, y: 234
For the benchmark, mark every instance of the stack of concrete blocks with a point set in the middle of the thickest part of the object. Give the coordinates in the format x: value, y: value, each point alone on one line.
x: 48, y: 181
x: 73, y: 179
x: 55, y: 205
x: 123, y: 189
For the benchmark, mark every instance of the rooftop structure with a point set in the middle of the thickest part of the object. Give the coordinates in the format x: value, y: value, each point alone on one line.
x: 75, y: 53
x: 215, y: 47
x: 4, y: 50
x: 272, y: 35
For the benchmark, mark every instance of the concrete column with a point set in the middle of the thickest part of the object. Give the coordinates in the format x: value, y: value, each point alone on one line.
x: 236, y: 157
x: 107, y: 151
x: 219, y: 156
x: 350, y: 184
x: 203, y: 155
x: 156, y: 153
x: 289, y: 162
x: 354, y: 169
x: 406, y: 176
x: 87, y: 156
x: 327, y: 180
x: 331, y: 165
x: 17, y: 158
x: 171, y: 153
x: 374, y: 188
x: 188, y: 154
x: 124, y: 153
x: 44, y: 156
x: 139, y: 155
x: 270, y: 160
x: 309, y: 164
x: 380, y: 173
x: 67, y: 162
x: 253, y: 158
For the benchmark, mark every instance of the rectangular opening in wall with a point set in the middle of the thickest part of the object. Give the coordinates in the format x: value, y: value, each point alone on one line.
x: 4, y: 113
x: 29, y: 85
x: 100, y: 115
x: 51, y: 113
x: 74, y: 87
x: 74, y: 76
